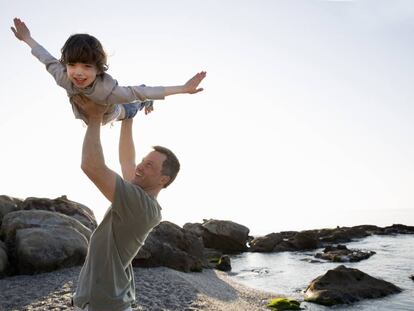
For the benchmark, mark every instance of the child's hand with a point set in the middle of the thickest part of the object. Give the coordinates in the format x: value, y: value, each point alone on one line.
x: 191, y: 86
x: 148, y: 109
x: 20, y: 30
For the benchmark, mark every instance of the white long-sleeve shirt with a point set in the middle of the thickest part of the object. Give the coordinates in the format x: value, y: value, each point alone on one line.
x: 104, y: 90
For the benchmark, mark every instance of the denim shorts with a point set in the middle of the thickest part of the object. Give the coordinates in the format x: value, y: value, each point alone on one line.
x: 132, y: 108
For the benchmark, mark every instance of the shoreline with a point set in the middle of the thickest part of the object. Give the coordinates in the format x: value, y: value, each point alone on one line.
x: 156, y: 289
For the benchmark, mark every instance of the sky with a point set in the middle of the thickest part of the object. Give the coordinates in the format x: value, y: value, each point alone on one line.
x: 305, y: 121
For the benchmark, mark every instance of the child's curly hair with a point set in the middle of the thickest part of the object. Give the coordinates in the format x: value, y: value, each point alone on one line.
x: 84, y: 48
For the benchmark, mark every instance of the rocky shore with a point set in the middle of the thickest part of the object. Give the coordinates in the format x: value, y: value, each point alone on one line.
x: 43, y: 243
x: 156, y: 289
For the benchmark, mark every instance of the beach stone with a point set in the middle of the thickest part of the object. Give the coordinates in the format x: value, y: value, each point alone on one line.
x: 225, y: 235
x: 224, y: 263
x: 344, y: 285
x: 8, y: 204
x: 58, y: 241
x: 265, y: 244
x: 412, y: 277
x: 341, y: 253
x: 196, y: 228
x: 64, y: 206
x: 171, y: 246
x: 47, y: 249
x: 4, y: 260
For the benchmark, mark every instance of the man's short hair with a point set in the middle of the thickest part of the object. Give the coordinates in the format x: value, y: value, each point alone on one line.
x: 170, y: 166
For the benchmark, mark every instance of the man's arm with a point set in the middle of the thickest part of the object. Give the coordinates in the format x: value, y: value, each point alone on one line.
x: 93, y: 161
x: 127, y: 150
x: 22, y: 32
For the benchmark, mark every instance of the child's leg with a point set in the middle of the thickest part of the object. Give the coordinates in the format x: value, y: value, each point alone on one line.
x: 128, y: 111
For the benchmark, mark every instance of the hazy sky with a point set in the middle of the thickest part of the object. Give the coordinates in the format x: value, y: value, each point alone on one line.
x: 306, y: 118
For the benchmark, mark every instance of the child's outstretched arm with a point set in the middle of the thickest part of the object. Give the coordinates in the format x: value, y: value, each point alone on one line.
x: 22, y: 33
x: 190, y: 87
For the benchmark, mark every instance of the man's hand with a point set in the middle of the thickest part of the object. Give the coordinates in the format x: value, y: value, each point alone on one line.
x: 89, y: 108
x: 191, y: 86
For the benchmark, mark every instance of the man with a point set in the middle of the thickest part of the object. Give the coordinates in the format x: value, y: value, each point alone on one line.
x: 106, y: 281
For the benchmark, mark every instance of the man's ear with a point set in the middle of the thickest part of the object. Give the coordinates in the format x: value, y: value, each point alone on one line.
x: 164, y: 179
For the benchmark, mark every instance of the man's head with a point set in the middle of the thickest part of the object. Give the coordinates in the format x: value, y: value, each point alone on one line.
x: 84, y: 58
x: 157, y: 170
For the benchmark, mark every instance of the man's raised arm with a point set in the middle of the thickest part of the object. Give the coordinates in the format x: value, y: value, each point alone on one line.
x: 93, y: 161
x: 127, y: 150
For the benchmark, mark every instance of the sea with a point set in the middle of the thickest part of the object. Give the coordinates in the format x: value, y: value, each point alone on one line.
x: 289, y: 273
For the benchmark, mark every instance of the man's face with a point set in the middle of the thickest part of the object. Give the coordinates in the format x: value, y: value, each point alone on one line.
x: 148, y: 173
x: 81, y: 75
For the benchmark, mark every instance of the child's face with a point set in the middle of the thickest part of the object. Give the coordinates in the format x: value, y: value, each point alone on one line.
x: 81, y: 75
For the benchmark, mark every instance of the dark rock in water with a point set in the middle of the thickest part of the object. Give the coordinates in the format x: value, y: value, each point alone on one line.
x: 397, y: 229
x: 171, y: 246
x: 344, y: 234
x: 310, y: 260
x: 344, y: 285
x: 304, y: 240
x: 224, y: 263
x: 266, y: 244
x: 341, y: 253
x: 412, y: 277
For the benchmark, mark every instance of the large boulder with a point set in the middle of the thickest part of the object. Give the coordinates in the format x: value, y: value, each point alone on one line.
x: 43, y: 250
x: 40, y: 241
x: 344, y: 285
x: 171, y: 246
x: 8, y: 204
x: 226, y: 236
x: 266, y: 244
x: 64, y: 206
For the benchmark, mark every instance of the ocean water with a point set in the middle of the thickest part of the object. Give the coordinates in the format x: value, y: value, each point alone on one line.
x: 289, y: 273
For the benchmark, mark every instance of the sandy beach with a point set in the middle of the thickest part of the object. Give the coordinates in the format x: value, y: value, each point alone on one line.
x: 156, y: 289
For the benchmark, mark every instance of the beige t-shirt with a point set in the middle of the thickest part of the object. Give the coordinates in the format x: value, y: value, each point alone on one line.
x: 106, y: 281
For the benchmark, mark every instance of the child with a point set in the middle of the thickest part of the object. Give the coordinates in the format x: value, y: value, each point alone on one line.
x: 81, y: 70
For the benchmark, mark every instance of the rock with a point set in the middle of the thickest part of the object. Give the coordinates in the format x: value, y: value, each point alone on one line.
x: 304, y: 240
x: 265, y: 243
x: 4, y: 260
x: 341, y: 253
x: 37, y: 218
x: 344, y: 285
x: 40, y: 241
x: 196, y: 228
x: 211, y: 257
x: 64, y: 206
x: 398, y: 229
x: 8, y: 204
x: 47, y: 249
x: 343, y: 234
x: 280, y: 304
x: 224, y: 263
x: 171, y: 246
x: 412, y: 277
x: 227, y: 236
